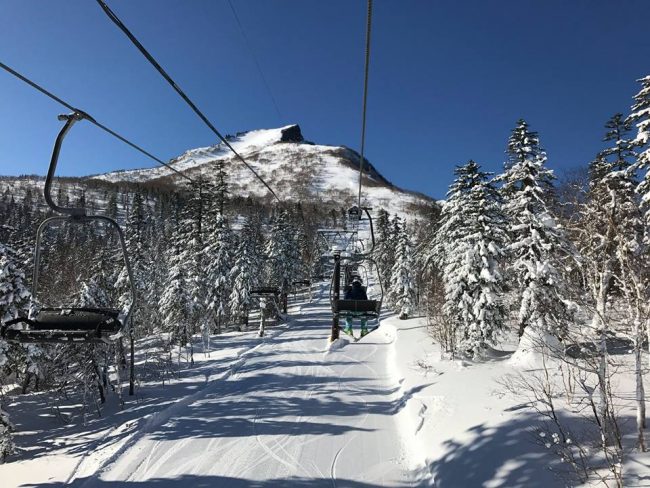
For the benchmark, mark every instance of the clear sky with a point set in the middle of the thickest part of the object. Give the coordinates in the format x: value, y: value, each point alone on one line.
x: 448, y: 78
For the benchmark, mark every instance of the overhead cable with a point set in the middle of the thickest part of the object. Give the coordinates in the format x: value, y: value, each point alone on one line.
x: 257, y: 63
x: 115, y: 19
x: 365, y: 95
x: 90, y: 119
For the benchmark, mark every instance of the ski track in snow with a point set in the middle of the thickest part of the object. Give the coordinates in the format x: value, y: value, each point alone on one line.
x: 300, y: 430
x: 149, y: 423
x: 365, y: 417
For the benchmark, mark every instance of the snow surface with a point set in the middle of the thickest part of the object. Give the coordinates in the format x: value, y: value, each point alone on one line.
x: 291, y: 410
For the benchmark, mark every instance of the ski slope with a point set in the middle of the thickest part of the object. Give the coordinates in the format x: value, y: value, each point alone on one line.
x: 286, y: 410
x: 289, y: 414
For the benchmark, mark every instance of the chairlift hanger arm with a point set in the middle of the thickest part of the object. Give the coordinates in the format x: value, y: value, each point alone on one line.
x: 69, y: 122
x: 355, y: 213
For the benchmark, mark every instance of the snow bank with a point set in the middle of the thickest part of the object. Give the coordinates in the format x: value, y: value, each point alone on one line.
x: 336, y: 344
x: 458, y: 425
x: 529, y: 352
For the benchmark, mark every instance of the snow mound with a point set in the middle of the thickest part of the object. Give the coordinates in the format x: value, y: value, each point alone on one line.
x: 533, y: 345
x: 336, y: 344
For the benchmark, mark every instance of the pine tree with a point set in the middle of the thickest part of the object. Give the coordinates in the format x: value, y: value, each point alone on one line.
x: 14, y: 296
x: 177, y: 302
x: 281, y: 252
x: 640, y: 116
x: 220, y: 188
x: 488, y: 235
x: 402, y: 289
x: 244, y: 273
x: 219, y: 257
x: 384, y: 252
x: 610, y: 219
x: 638, y: 268
x: 467, y: 248
x: 7, y: 446
x: 537, y: 243
x: 448, y: 251
x: 141, y: 268
x: 611, y: 242
x: 194, y: 214
x: 14, y: 301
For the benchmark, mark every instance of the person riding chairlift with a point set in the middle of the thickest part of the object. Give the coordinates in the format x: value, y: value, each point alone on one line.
x: 355, y: 292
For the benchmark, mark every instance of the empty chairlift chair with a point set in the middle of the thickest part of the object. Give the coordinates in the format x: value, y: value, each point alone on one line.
x: 69, y: 324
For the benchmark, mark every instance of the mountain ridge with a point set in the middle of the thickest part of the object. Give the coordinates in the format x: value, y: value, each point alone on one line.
x: 297, y: 170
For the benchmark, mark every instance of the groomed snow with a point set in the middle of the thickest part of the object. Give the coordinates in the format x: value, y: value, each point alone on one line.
x: 287, y: 410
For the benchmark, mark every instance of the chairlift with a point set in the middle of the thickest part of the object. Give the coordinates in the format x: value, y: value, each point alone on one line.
x: 69, y: 324
x: 369, y: 309
x: 266, y: 295
x: 354, y: 214
x: 353, y: 265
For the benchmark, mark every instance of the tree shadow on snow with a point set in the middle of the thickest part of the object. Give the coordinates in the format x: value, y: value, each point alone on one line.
x: 209, y: 481
x: 503, y: 455
x: 269, y: 397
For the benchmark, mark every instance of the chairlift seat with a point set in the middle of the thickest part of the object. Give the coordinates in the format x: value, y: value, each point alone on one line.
x: 367, y: 308
x: 64, y: 325
x: 265, y: 290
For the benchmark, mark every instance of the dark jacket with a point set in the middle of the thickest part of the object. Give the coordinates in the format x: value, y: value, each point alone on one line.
x: 356, y: 292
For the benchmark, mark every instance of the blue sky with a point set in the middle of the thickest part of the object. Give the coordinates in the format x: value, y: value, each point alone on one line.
x: 448, y: 78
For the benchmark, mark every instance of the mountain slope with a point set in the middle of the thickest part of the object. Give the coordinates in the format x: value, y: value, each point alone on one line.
x: 297, y: 170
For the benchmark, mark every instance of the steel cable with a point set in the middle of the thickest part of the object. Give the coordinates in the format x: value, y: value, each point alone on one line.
x: 115, y: 19
x: 365, y: 95
x: 90, y: 119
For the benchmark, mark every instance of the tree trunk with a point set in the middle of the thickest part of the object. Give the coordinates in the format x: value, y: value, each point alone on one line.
x: 640, y: 391
x: 98, y: 381
x: 26, y: 381
x: 122, y: 354
x: 132, y: 365
x: 260, y: 333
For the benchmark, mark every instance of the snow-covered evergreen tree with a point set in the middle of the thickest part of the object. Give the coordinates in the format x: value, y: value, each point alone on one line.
x: 610, y: 218
x: 384, y: 252
x: 402, y: 289
x: 177, y: 301
x: 637, y: 285
x: 640, y: 117
x: 14, y: 301
x: 468, y: 249
x: 220, y: 190
x: 488, y: 235
x: 141, y: 266
x: 219, y: 257
x: 93, y: 293
x: 611, y: 242
x: 14, y: 295
x: 193, y: 220
x: 537, y: 242
x: 6, y: 441
x: 245, y: 272
x: 282, y: 253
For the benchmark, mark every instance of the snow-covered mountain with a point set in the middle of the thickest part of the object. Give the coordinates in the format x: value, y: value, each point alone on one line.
x: 296, y: 169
